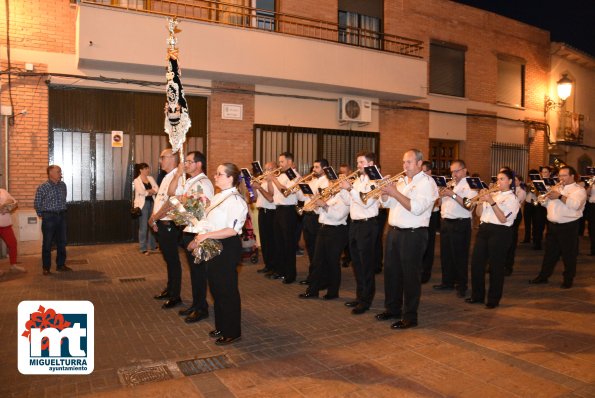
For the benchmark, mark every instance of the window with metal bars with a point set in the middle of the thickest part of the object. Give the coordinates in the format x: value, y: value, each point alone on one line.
x: 308, y: 144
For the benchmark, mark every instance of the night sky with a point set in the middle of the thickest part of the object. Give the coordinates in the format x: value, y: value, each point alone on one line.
x: 569, y: 21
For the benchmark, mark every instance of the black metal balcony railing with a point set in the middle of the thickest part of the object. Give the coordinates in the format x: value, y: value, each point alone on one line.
x: 254, y: 18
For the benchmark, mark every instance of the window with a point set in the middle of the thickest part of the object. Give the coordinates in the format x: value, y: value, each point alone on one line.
x: 265, y: 14
x: 511, y: 81
x: 360, y: 22
x: 447, y: 69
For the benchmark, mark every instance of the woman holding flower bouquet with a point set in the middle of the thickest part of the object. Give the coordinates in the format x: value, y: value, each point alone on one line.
x: 224, y: 219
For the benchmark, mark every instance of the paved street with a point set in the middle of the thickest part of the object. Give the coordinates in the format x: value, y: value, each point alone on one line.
x: 539, y: 343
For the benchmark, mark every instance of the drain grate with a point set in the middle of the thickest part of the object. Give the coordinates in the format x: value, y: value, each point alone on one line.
x: 77, y: 262
x: 142, y: 375
x: 204, y: 365
x: 137, y: 279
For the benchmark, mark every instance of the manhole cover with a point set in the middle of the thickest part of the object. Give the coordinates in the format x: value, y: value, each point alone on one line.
x: 77, y: 262
x: 133, y: 279
x: 146, y: 374
x: 204, y: 365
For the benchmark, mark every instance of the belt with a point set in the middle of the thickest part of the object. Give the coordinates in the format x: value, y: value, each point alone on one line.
x: 166, y: 222
x: 331, y: 226
x: 265, y: 209
x: 456, y: 219
x: 285, y: 206
x: 562, y: 223
x: 364, y: 220
x: 407, y: 229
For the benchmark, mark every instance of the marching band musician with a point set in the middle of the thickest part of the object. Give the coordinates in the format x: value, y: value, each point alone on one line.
x: 285, y: 222
x: 266, y: 220
x: 363, y: 232
x: 310, y: 218
x: 497, y: 213
x: 565, y: 204
x: 330, y: 242
x: 529, y: 209
x: 455, y: 231
x: 428, y: 261
x: 225, y: 218
x: 540, y: 214
x: 591, y: 204
x: 195, y: 165
x: 410, y: 202
x: 521, y: 194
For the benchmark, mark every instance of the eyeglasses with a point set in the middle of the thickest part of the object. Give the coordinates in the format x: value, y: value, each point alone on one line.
x: 456, y: 171
x: 220, y: 175
x: 189, y: 161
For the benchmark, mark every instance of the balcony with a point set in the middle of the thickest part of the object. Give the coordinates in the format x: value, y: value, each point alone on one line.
x: 226, y: 42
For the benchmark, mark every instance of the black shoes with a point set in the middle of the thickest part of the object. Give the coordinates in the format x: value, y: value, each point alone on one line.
x: 46, y: 272
x: 63, y: 268
x: 227, y: 340
x: 172, y: 302
x: 351, y: 303
x: 215, y: 334
x: 275, y: 275
x: 162, y: 296
x: 385, y: 316
x: 196, y: 316
x: 330, y: 296
x: 566, y: 285
x: 471, y: 300
x: 404, y: 324
x: 305, y: 282
x: 186, y: 311
x: 491, y: 306
x: 442, y: 286
x: 308, y: 295
x: 538, y: 281
x: 287, y: 281
x: 461, y: 293
x: 359, y: 309
x: 263, y: 270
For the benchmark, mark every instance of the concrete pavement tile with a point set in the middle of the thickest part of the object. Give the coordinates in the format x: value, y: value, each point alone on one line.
x: 165, y: 389
x: 527, y: 385
x: 573, y: 367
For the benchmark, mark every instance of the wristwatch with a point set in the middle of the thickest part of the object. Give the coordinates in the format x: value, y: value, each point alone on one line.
x: 454, y: 196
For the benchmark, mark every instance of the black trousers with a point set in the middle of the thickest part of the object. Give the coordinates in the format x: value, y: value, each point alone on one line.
x: 402, y: 270
x: 53, y: 228
x: 198, y: 277
x: 539, y: 221
x: 223, y: 283
x: 362, y: 246
x: 266, y: 231
x: 591, y: 209
x: 561, y: 241
x: 310, y: 229
x: 330, y: 242
x: 491, y: 245
x: 285, y: 226
x: 528, y: 212
x: 428, y: 260
x: 382, y: 217
x: 509, y: 264
x: 455, y: 240
x: 169, y: 239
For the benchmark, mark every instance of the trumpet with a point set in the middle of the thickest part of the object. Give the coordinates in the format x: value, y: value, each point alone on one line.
x: 334, y: 187
x: 310, y: 205
x: 543, y: 197
x: 260, y: 178
x: 470, y: 203
x: 449, y: 185
x: 296, y: 187
x: 377, y: 191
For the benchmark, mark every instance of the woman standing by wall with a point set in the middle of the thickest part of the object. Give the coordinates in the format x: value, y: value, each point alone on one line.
x: 145, y: 189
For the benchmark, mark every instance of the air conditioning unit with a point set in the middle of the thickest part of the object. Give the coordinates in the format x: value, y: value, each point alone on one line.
x: 353, y: 109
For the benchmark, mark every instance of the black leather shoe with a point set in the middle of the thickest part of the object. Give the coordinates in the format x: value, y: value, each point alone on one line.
x: 186, y: 311
x: 263, y: 270
x: 425, y: 280
x: 330, y: 296
x: 352, y: 303
x: 305, y: 282
x: 507, y: 271
x: 526, y: 241
x: 63, y: 268
x: 443, y: 287
x: 385, y: 316
x: 471, y: 300
x: 359, y: 309
x: 403, y: 324
x: 162, y: 296
x: 461, y: 293
x: 196, y: 316
x: 46, y: 272
x: 172, y: 302
x: 491, y: 306
x: 566, y: 285
x: 288, y: 281
x: 276, y: 276
x: 308, y: 295
x: 538, y: 281
x: 215, y: 334
x: 227, y: 340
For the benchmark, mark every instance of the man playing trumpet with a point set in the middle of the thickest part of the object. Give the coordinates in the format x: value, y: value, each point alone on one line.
x: 565, y: 206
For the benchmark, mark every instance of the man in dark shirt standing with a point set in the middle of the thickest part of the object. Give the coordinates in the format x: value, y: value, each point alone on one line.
x: 50, y: 205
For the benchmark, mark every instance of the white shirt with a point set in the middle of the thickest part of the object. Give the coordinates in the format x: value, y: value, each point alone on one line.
x: 572, y: 210
x: 422, y: 192
x: 140, y: 192
x: 359, y: 210
x: 278, y: 197
x: 530, y: 198
x: 190, y: 186
x: 451, y: 208
x: 6, y: 219
x: 507, y: 202
x: 521, y: 194
x: 337, y: 211
x: 228, y: 210
x: 315, y: 183
x: 262, y: 202
x: 162, y: 196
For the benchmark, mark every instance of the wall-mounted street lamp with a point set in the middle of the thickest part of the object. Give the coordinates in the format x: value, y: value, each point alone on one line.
x: 564, y: 91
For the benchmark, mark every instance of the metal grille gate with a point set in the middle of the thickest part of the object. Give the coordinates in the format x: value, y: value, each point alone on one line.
x: 515, y: 156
